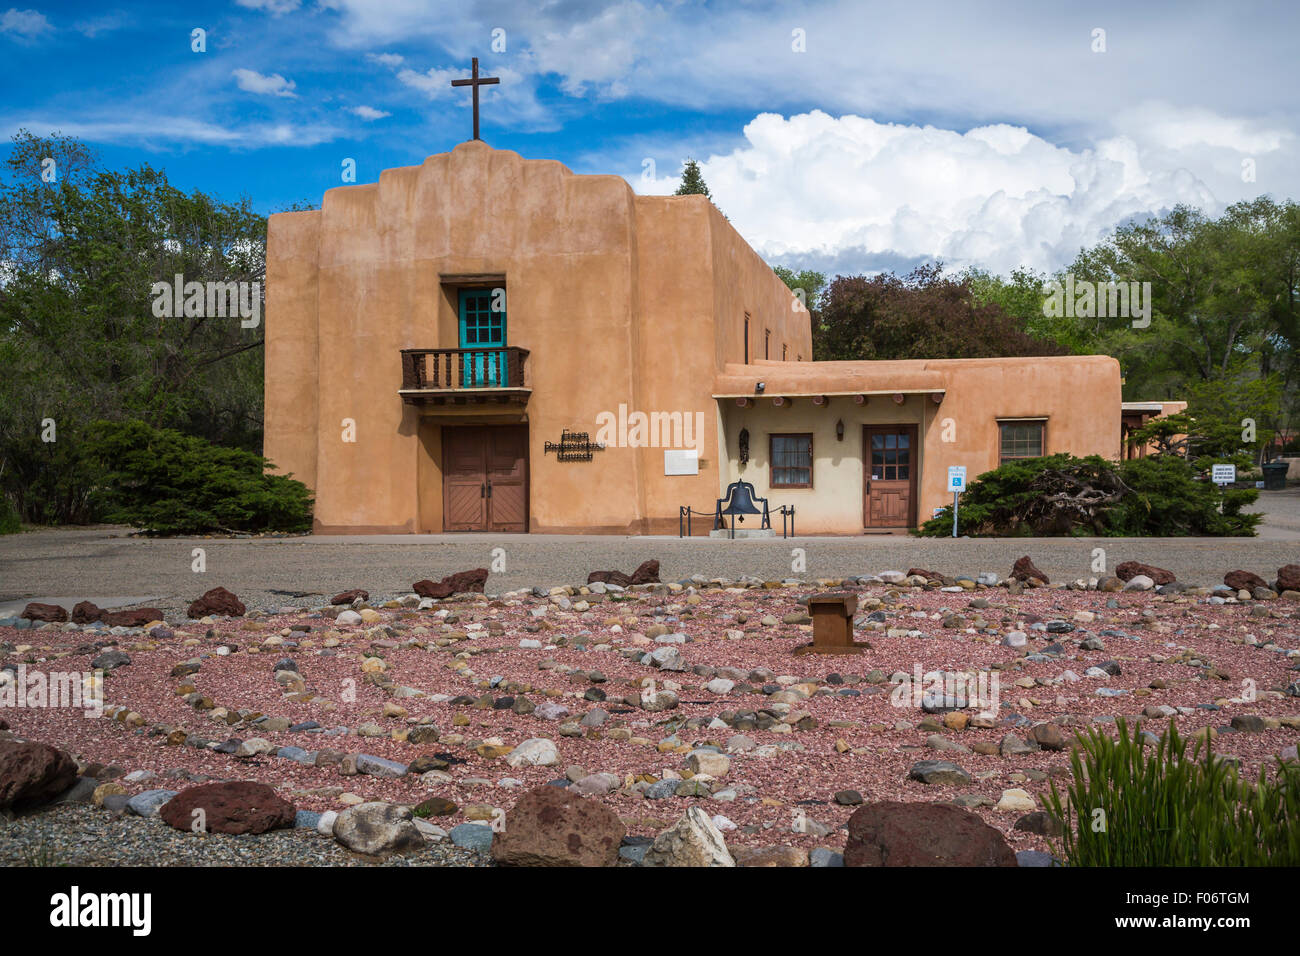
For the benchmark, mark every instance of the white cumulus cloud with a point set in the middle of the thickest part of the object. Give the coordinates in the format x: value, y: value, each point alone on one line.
x: 24, y: 24
x: 273, y: 85
x: 853, y: 194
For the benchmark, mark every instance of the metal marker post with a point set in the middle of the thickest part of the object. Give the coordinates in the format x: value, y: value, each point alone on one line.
x: 955, y: 496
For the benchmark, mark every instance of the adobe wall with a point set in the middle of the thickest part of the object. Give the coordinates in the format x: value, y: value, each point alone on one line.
x: 289, y: 371
x: 1079, y: 395
x: 698, y: 278
x: 566, y: 244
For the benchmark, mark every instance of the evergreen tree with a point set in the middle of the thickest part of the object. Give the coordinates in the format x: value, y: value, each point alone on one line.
x: 692, y: 182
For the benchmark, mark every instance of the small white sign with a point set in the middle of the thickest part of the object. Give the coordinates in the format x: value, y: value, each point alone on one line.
x: 956, y: 477
x: 1223, y: 474
x: 681, y: 461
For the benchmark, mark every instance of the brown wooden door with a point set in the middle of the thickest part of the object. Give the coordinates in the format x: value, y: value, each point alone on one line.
x: 507, y: 478
x: 889, y: 461
x: 485, y: 478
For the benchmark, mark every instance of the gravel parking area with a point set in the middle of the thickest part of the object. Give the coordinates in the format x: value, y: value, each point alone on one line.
x: 267, y: 572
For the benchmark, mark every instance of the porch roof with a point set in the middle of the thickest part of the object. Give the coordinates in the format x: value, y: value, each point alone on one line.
x: 827, y: 378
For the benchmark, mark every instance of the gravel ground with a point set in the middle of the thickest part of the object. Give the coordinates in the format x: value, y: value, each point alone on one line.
x: 1185, y: 654
x: 269, y: 572
x: 80, y: 835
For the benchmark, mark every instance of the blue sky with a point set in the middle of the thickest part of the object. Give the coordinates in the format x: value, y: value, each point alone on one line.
x: 842, y: 135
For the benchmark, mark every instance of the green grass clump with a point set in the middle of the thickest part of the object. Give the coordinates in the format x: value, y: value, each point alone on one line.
x: 1130, y: 806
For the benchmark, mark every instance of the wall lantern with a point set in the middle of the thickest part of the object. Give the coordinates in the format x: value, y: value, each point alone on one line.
x: 839, y: 430
x: 744, y: 446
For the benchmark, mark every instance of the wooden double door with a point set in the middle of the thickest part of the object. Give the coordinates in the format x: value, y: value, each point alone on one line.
x: 485, y: 478
x: 890, y: 465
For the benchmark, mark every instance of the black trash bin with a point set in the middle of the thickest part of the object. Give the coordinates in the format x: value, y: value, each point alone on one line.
x: 1275, y: 475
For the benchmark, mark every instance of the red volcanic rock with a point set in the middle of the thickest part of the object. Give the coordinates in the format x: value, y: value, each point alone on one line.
x: 1024, y: 569
x: 1288, y: 577
x: 1131, y: 569
x: 923, y: 834
x: 551, y: 826
x: 33, y: 773
x: 647, y: 572
x: 86, y: 612
x: 44, y: 612
x: 138, y: 617
x: 610, y: 577
x: 1239, y: 580
x: 928, y: 575
x: 235, y: 808
x: 217, y: 601
x: 458, y: 583
x: 347, y: 597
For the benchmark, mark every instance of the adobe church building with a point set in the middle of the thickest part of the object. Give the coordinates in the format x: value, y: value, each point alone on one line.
x: 438, y: 344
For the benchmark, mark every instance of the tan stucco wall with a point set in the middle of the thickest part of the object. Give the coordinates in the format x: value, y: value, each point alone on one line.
x: 1078, y: 395
x: 290, y: 371
x: 360, y: 279
x: 621, y: 300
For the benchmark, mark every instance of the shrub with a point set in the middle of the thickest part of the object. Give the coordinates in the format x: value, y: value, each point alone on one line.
x: 9, y: 523
x: 1168, y: 809
x: 1062, y: 495
x: 165, y: 482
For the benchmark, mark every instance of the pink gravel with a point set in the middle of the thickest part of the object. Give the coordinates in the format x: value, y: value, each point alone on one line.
x: 1216, y: 634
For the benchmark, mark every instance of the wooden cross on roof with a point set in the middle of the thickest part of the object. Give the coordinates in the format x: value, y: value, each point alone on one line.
x: 475, y: 81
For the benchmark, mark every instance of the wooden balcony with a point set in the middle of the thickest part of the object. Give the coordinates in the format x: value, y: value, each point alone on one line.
x: 464, y: 376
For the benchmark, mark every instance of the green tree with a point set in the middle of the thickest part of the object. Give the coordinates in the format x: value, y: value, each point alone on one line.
x: 79, y: 339
x: 692, y: 183
x: 924, y: 314
x: 808, y: 285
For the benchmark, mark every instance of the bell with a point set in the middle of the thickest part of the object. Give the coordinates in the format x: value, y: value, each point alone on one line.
x: 742, y: 500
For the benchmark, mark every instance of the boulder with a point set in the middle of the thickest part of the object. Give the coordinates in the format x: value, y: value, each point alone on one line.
x: 33, y: 773
x: 44, y: 613
x: 86, y: 612
x: 137, y: 617
x: 553, y: 826
x: 923, y: 834
x: 1131, y: 569
x: 647, y: 572
x: 923, y: 573
x: 458, y: 583
x: 1024, y: 570
x: 217, y: 601
x: 1288, y: 577
x: 1239, y: 580
x: 377, y: 829
x: 347, y: 597
x: 610, y: 577
x: 236, y: 807
x: 693, y: 840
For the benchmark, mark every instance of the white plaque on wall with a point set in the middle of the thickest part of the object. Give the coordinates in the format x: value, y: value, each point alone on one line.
x: 681, y: 461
